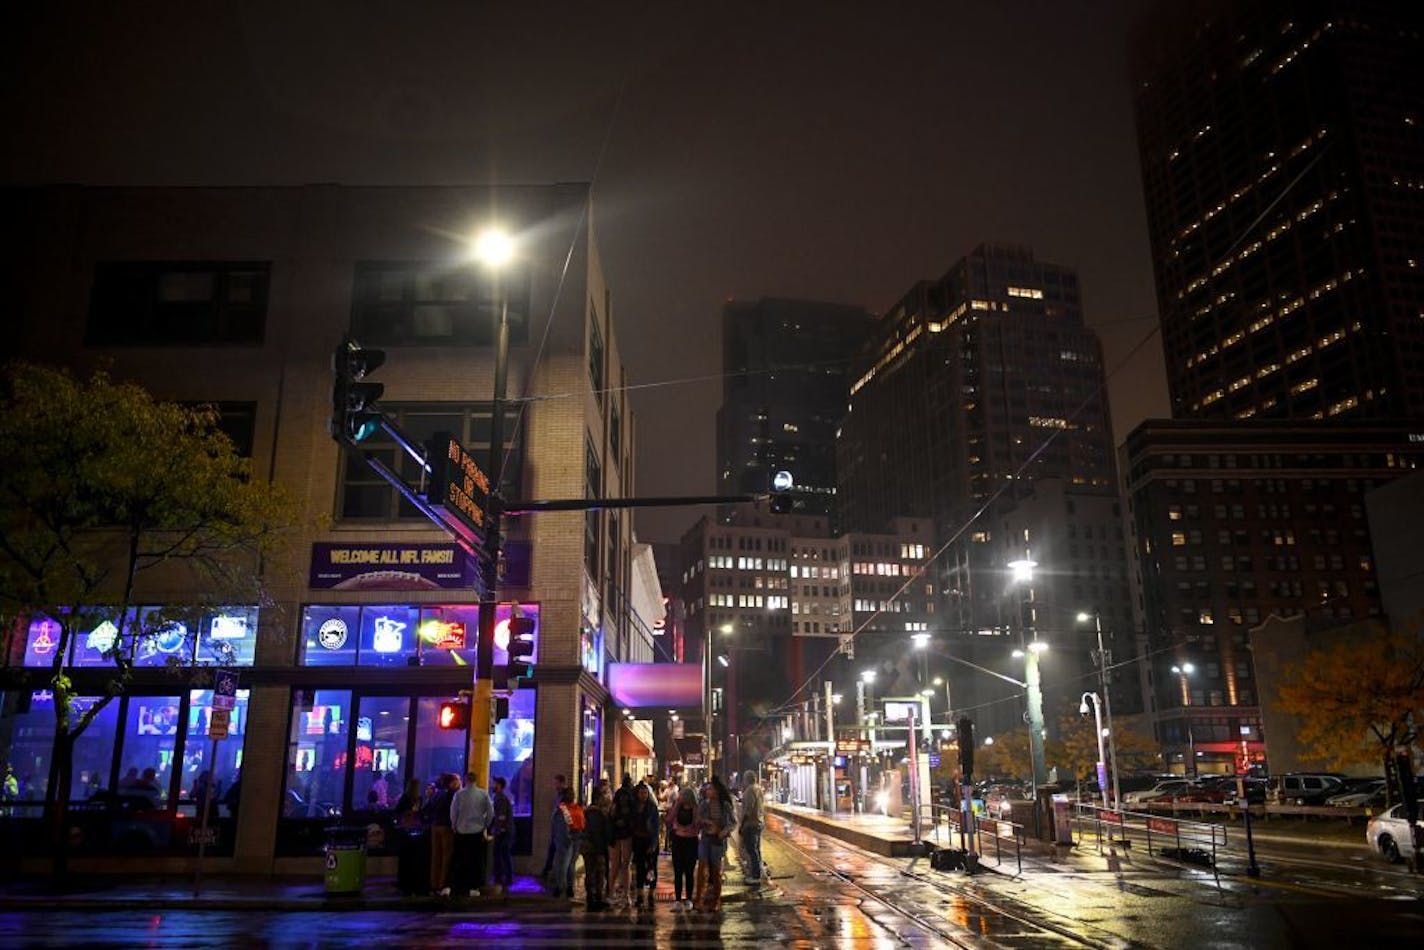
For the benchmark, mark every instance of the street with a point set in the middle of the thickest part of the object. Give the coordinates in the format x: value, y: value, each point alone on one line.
x: 828, y: 894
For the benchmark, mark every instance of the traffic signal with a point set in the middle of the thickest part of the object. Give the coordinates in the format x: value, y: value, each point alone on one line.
x: 966, y: 747
x: 500, y: 710
x: 521, y: 649
x: 781, y: 502
x: 454, y: 714
x: 353, y: 413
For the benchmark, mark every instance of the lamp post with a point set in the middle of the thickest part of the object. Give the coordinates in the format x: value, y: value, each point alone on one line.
x: 948, y: 702
x: 867, y: 683
x: 1184, y: 672
x: 1021, y: 575
x: 1103, y: 660
x: 494, y: 249
x: 1098, y: 722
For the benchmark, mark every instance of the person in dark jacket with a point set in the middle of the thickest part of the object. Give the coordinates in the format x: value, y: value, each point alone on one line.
x: 502, y: 833
x: 625, y: 808
x: 598, y: 835
x: 645, y: 845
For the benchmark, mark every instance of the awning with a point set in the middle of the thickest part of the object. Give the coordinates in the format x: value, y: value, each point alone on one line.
x: 689, y: 751
x: 630, y: 746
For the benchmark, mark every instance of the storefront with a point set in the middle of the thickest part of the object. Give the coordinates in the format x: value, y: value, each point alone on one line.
x: 357, y: 724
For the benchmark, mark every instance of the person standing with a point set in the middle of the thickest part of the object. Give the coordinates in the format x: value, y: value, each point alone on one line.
x: 568, y: 838
x: 597, y: 835
x: 645, y: 846
x: 753, y: 817
x: 502, y: 832
x: 560, y: 783
x: 625, y: 808
x: 470, y: 817
x: 682, y: 841
x: 716, y: 822
x: 442, y: 834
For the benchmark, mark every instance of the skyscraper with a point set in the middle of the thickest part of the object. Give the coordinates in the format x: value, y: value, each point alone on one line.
x: 787, y: 366
x: 978, y: 388
x: 1282, y: 149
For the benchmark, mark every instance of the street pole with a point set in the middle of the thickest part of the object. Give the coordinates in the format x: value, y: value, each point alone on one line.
x: 1107, y: 706
x: 1035, y: 715
x: 1102, y: 762
x: 831, y: 748
x: 915, y: 791
x: 860, y: 756
x: 926, y: 741
x: 483, y: 693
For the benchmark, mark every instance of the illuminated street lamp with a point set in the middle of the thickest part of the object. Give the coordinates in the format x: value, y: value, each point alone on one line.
x: 1021, y: 575
x: 1183, y: 672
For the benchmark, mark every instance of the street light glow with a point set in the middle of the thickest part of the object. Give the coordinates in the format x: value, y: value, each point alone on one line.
x: 727, y: 628
x: 1084, y: 616
x: 939, y: 680
x: 921, y: 640
x: 868, y: 676
x: 927, y: 692
x: 1021, y: 571
x: 494, y: 247
x: 988, y: 740
x: 1037, y: 646
x: 835, y: 699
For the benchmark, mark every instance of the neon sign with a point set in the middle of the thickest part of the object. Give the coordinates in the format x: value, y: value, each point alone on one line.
x: 228, y: 627
x: 101, y: 639
x: 43, y: 642
x: 443, y: 634
x: 387, y: 638
x: 332, y: 634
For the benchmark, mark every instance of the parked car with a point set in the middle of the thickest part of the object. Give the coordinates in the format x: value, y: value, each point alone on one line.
x: 1211, y: 796
x: 1359, y: 793
x: 1388, y: 834
x: 1255, y: 792
x: 999, y: 799
x: 1171, y: 787
x: 1304, y: 788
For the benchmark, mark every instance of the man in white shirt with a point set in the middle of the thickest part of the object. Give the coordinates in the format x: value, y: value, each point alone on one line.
x: 471, y: 812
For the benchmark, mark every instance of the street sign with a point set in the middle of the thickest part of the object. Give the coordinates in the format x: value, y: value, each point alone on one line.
x: 852, y: 746
x: 900, y: 712
x: 224, y: 689
x: 459, y: 489
x: 218, y: 723
x: 934, y: 760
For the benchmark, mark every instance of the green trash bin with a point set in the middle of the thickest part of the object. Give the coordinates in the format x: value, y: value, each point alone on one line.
x: 345, y: 860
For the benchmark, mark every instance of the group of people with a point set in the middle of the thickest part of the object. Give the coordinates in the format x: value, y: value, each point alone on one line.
x: 619, y: 835
x: 464, y: 820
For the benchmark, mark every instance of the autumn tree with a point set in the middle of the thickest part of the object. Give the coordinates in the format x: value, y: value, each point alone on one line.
x: 1359, y: 701
x: 1078, y: 746
x: 108, y: 496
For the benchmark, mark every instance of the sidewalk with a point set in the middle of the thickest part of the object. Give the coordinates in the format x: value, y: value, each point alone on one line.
x: 888, y: 837
x: 107, y: 893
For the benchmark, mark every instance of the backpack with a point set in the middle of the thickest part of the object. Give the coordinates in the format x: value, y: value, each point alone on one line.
x: 573, y: 814
x: 623, y: 811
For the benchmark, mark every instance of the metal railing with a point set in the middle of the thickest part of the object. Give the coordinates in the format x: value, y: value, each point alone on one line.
x: 1185, y: 837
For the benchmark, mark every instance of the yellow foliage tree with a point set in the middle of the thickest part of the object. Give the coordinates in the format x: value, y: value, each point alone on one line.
x: 1344, y: 696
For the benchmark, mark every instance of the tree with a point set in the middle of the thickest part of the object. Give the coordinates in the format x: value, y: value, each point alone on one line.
x: 1358, y: 700
x: 108, y: 496
x: 1009, y: 756
x: 1078, y: 746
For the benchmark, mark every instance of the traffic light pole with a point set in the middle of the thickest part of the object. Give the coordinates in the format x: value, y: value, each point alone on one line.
x: 483, y: 694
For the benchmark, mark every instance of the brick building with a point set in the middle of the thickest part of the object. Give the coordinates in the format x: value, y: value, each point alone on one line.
x: 237, y: 296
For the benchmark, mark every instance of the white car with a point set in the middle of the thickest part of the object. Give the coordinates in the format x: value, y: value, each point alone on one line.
x: 1388, y: 833
x: 1169, y: 787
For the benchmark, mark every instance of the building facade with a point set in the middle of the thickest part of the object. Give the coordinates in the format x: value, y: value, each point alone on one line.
x: 786, y: 368
x: 237, y: 296
x: 1282, y: 150
x: 786, y: 603
x: 1234, y: 523
x: 977, y: 387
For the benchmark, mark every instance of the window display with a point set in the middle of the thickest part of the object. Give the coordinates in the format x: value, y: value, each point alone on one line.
x: 147, y: 747
x: 402, y: 634
x: 94, y: 749
x: 226, y: 765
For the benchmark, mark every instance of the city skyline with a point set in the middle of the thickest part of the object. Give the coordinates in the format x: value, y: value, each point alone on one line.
x: 674, y: 121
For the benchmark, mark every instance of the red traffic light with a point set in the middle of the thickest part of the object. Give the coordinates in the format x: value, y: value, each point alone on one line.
x: 453, y: 715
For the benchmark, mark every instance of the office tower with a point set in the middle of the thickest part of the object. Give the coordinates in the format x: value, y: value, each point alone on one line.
x: 1282, y: 149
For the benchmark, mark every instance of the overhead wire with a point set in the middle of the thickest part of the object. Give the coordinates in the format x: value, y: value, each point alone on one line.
x: 1049, y: 440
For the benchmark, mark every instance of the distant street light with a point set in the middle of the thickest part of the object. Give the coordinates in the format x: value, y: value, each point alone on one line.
x: 493, y: 247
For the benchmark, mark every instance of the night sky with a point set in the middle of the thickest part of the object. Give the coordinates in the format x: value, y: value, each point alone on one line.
x: 831, y: 151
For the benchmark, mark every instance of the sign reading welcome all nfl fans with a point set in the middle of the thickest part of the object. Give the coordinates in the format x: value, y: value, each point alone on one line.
x: 384, y: 565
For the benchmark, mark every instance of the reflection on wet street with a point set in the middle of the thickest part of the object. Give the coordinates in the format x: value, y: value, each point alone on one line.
x: 824, y: 893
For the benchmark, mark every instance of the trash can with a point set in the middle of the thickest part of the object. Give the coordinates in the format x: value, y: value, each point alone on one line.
x: 345, y: 860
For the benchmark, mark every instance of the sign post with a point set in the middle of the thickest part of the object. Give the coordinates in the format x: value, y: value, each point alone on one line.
x: 219, y: 723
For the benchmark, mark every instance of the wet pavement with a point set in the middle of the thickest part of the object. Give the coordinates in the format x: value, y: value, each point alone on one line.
x: 824, y: 892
